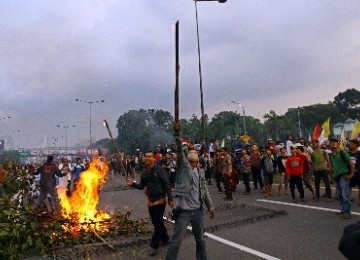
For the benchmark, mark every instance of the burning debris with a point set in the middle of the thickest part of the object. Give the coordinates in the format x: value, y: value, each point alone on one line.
x: 81, y: 205
x: 27, y: 231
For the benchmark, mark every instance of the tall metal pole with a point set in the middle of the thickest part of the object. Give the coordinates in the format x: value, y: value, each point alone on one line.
x: 90, y: 104
x: 244, y: 119
x: 300, y: 134
x: 243, y: 110
x: 66, y: 128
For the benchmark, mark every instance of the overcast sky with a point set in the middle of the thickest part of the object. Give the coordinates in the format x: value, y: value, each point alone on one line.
x: 265, y: 54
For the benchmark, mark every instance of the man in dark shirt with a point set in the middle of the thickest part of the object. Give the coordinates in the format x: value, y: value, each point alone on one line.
x: 48, y: 183
x: 157, y: 185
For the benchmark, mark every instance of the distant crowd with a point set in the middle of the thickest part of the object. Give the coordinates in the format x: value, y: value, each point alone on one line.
x: 295, y: 164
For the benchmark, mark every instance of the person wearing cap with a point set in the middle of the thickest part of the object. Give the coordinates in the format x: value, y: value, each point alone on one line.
x: 355, y: 157
x: 190, y: 195
x: 294, y: 172
x: 342, y: 169
x: 320, y: 166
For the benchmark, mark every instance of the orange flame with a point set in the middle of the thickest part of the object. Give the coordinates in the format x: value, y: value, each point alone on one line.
x: 81, y: 206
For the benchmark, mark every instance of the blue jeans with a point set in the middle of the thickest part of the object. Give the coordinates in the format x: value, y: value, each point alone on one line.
x: 196, y: 218
x: 343, y: 191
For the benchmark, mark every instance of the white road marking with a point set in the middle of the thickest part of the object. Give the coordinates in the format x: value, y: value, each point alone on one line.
x: 303, y: 206
x: 240, y: 247
x: 233, y: 244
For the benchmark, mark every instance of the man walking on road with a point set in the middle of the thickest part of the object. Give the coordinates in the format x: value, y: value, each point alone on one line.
x: 320, y: 165
x: 158, y: 187
x: 191, y: 192
x: 342, y: 169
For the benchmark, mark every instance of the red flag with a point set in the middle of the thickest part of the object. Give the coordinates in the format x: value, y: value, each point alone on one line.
x: 317, y: 132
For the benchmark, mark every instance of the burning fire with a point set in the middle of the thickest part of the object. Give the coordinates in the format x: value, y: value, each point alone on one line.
x: 81, y: 206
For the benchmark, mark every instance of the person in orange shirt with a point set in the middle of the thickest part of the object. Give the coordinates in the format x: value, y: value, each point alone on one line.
x: 294, y: 172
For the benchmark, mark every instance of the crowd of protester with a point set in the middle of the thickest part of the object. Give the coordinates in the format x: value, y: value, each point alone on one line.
x: 230, y: 169
x: 293, y: 166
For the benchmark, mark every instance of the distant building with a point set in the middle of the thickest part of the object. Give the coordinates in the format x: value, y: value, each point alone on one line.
x: 2, y: 146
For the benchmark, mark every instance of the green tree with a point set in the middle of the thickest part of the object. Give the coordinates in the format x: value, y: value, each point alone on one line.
x: 225, y: 124
x: 143, y: 129
x: 275, y: 125
x: 348, y: 103
x: 309, y: 116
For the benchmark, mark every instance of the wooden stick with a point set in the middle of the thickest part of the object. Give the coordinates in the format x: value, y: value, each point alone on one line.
x: 103, y: 240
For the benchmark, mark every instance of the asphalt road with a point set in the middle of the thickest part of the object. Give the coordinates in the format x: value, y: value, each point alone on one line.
x: 309, y: 230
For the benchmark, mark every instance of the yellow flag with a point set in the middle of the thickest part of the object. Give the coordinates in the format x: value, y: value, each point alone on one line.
x: 245, y: 138
x: 326, y: 128
x: 342, y: 139
x: 356, y: 130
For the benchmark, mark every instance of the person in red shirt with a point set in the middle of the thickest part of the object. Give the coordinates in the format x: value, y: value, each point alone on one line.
x: 294, y: 172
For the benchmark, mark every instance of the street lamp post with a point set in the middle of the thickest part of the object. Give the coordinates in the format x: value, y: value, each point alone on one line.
x: 66, y: 127
x: 90, y: 104
x: 243, y: 110
x: 300, y: 133
x: 200, y: 72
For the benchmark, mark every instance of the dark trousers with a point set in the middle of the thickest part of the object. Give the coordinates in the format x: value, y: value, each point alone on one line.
x: 208, y: 175
x: 246, y: 179
x: 160, y: 233
x: 296, y: 181
x: 219, y: 179
x: 172, y: 179
x: 256, y: 177
x: 324, y: 175
x: 228, y: 191
x: 307, y: 182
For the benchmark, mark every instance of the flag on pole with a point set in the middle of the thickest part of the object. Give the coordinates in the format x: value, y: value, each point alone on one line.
x: 326, y: 127
x: 342, y: 139
x: 356, y: 130
x: 325, y: 132
x: 222, y: 143
x: 317, y: 132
